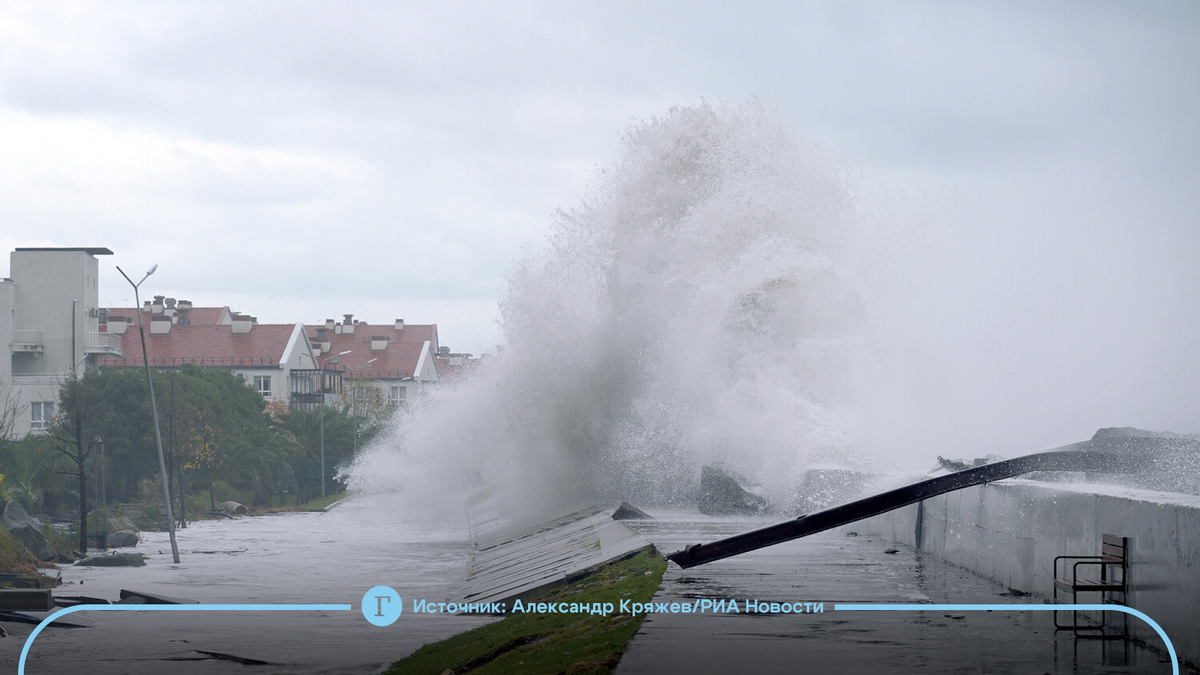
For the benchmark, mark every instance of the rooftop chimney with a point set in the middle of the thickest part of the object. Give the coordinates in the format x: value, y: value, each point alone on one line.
x: 348, y: 324
x: 329, y: 323
x: 399, y: 324
x: 242, y: 323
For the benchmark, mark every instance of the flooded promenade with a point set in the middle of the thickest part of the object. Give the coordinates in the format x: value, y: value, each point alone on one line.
x: 837, y: 567
x: 332, y: 558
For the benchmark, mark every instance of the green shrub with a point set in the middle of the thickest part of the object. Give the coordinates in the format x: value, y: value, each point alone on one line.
x: 14, y: 559
x: 224, y: 492
x: 60, y: 539
x: 151, y: 520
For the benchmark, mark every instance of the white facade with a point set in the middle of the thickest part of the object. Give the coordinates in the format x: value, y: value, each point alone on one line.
x: 399, y: 392
x: 49, y: 320
x: 275, y: 383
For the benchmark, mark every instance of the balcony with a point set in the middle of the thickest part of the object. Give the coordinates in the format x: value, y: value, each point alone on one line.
x: 107, y: 344
x: 26, y: 341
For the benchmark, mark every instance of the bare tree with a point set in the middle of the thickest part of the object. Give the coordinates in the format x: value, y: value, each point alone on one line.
x: 75, y: 437
x: 11, y: 409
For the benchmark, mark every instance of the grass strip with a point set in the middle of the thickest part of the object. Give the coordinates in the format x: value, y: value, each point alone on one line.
x: 551, y: 643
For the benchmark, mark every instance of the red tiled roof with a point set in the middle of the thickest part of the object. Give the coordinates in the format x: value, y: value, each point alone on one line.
x: 398, y: 361
x: 201, y: 345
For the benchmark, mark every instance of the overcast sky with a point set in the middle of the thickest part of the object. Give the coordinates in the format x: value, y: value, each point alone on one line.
x: 298, y: 161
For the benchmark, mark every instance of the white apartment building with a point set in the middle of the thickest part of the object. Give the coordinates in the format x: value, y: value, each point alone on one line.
x: 50, y: 322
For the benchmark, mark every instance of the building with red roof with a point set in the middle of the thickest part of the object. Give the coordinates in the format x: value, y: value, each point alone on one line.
x: 395, y: 359
x: 269, y: 356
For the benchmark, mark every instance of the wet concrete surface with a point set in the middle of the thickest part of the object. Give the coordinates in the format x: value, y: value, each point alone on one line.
x: 834, y: 567
x: 304, y: 558
x: 335, y: 557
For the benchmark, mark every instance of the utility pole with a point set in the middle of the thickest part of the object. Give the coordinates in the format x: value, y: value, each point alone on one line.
x: 162, y: 463
x: 321, y: 375
x: 103, y: 496
x: 354, y: 401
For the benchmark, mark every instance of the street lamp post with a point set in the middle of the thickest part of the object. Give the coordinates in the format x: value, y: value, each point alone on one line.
x: 162, y: 463
x: 103, y: 495
x: 322, y: 376
x: 354, y: 401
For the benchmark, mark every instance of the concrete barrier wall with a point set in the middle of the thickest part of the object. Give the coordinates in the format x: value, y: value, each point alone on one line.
x: 1011, y: 531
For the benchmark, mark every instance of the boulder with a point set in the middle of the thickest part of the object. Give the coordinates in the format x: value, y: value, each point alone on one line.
x: 115, y: 560
x: 123, y: 539
x: 724, y: 493
x: 15, y: 515
x: 35, y: 541
x: 27, y: 530
x: 233, y: 508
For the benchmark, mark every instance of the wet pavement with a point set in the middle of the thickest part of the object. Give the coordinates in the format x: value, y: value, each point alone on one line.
x: 834, y: 567
x: 301, y: 558
x: 335, y: 557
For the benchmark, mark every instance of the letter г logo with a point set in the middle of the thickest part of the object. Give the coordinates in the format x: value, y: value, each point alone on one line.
x: 382, y: 606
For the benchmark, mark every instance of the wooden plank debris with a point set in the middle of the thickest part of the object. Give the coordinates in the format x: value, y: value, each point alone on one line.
x: 140, y: 598
x: 529, y: 562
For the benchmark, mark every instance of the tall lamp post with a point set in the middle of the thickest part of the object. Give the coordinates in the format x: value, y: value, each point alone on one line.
x: 162, y: 463
x: 322, y: 376
x: 354, y: 401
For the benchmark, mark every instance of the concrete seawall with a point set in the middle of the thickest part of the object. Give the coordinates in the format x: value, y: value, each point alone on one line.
x: 1010, y: 531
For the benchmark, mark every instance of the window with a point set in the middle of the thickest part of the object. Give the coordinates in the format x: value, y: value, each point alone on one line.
x: 262, y: 384
x: 42, y: 413
x: 398, y: 396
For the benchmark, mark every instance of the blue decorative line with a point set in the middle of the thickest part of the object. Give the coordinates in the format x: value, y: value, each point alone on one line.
x: 169, y: 608
x: 1024, y: 608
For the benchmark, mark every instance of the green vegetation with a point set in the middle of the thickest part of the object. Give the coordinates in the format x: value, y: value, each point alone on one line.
x: 551, y: 643
x: 321, y: 503
x: 58, y: 539
x: 98, y: 522
x: 14, y: 559
x: 151, y: 520
x: 221, y: 441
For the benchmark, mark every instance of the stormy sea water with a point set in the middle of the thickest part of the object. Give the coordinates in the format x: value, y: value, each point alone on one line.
x: 695, y: 307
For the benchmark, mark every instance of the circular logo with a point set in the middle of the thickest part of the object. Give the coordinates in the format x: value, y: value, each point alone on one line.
x: 382, y: 606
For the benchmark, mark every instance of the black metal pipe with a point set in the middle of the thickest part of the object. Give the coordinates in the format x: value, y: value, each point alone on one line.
x: 1077, y: 457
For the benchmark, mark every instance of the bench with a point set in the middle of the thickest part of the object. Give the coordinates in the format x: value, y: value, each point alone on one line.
x: 1104, y: 574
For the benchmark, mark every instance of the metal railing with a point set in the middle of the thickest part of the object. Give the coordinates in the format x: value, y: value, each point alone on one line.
x: 102, y: 343
x: 26, y: 341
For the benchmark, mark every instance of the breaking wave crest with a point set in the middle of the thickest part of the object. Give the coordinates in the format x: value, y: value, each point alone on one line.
x: 695, y: 307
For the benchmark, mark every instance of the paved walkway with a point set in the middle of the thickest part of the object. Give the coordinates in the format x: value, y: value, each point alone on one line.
x: 834, y: 567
